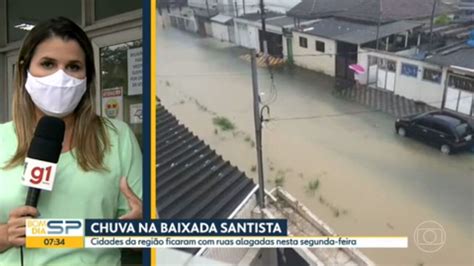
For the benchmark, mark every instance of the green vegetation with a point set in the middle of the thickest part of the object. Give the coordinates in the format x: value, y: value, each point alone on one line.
x: 321, y: 199
x: 253, y: 168
x: 249, y: 140
x: 313, y: 185
x: 252, y: 144
x: 336, y: 211
x: 223, y: 123
x: 280, y: 178
x: 201, y: 107
x: 442, y: 20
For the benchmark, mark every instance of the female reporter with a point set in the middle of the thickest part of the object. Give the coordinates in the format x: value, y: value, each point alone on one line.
x: 100, y: 167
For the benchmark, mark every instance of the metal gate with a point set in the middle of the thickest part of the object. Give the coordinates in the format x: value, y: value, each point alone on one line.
x: 274, y: 43
x: 459, y: 94
x: 382, y: 73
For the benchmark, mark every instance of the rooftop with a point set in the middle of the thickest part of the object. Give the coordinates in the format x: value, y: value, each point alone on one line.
x: 205, y: 13
x: 367, y: 10
x: 257, y: 16
x: 393, y: 10
x: 312, y: 9
x: 356, y: 33
x: 193, y: 182
x: 282, y: 21
x: 223, y: 19
x: 463, y: 57
x: 450, y: 46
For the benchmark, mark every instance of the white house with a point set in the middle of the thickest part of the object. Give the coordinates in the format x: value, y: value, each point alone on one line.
x: 459, y: 93
x: 181, y: 18
x: 443, y: 80
x: 314, y: 53
x: 249, y: 32
x: 459, y: 87
x: 405, y: 76
x: 222, y: 28
x: 203, y: 11
x: 203, y: 4
x: 237, y: 8
x: 246, y: 34
x: 278, y: 28
x: 248, y: 29
x: 330, y: 45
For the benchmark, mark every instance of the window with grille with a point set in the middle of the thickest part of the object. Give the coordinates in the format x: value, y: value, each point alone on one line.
x: 432, y: 75
x: 320, y: 46
x: 303, y: 42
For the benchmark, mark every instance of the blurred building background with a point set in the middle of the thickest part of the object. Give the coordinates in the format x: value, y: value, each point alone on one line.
x: 115, y: 28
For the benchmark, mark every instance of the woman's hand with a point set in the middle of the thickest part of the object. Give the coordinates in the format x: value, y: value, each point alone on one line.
x: 4, y: 244
x: 134, y: 202
x: 16, y: 226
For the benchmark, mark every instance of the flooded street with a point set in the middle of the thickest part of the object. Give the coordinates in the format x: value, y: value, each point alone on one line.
x: 341, y: 159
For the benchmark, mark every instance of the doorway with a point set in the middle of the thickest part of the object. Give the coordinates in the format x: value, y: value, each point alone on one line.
x: 274, y: 43
x: 346, y: 55
x: 119, y: 78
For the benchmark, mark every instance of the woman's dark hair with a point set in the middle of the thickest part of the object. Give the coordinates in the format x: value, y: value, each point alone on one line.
x: 63, y: 28
x: 90, y: 138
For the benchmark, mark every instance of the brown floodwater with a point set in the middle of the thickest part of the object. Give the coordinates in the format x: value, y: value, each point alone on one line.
x: 370, y: 181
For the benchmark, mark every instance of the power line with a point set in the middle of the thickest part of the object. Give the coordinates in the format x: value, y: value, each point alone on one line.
x: 277, y: 119
x: 319, y: 116
x: 251, y: 5
x: 331, y: 54
x: 230, y: 74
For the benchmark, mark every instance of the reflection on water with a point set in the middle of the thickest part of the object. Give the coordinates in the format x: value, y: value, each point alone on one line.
x: 340, y: 159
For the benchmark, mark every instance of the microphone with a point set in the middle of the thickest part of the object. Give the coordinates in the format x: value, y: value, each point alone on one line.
x: 42, y: 157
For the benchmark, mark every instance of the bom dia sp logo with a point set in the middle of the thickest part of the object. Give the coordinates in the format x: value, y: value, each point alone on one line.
x: 54, y: 227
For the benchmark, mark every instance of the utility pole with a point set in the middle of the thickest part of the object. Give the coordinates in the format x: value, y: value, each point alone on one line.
x: 236, y: 9
x: 258, y: 130
x: 378, y: 25
x: 379, y: 19
x: 207, y: 8
x: 243, y: 6
x: 445, y: 90
x: 264, y: 29
x: 433, y: 12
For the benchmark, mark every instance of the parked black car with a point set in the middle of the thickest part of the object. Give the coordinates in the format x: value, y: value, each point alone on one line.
x: 445, y: 130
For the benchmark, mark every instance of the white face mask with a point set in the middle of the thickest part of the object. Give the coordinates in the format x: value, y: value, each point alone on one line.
x: 57, y: 94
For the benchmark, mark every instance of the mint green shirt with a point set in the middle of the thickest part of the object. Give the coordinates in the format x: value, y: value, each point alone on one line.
x: 76, y: 194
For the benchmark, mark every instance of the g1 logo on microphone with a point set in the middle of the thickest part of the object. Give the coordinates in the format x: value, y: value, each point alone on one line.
x: 39, y: 174
x: 54, y: 227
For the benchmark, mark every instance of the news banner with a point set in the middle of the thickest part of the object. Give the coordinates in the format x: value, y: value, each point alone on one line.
x: 236, y: 233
